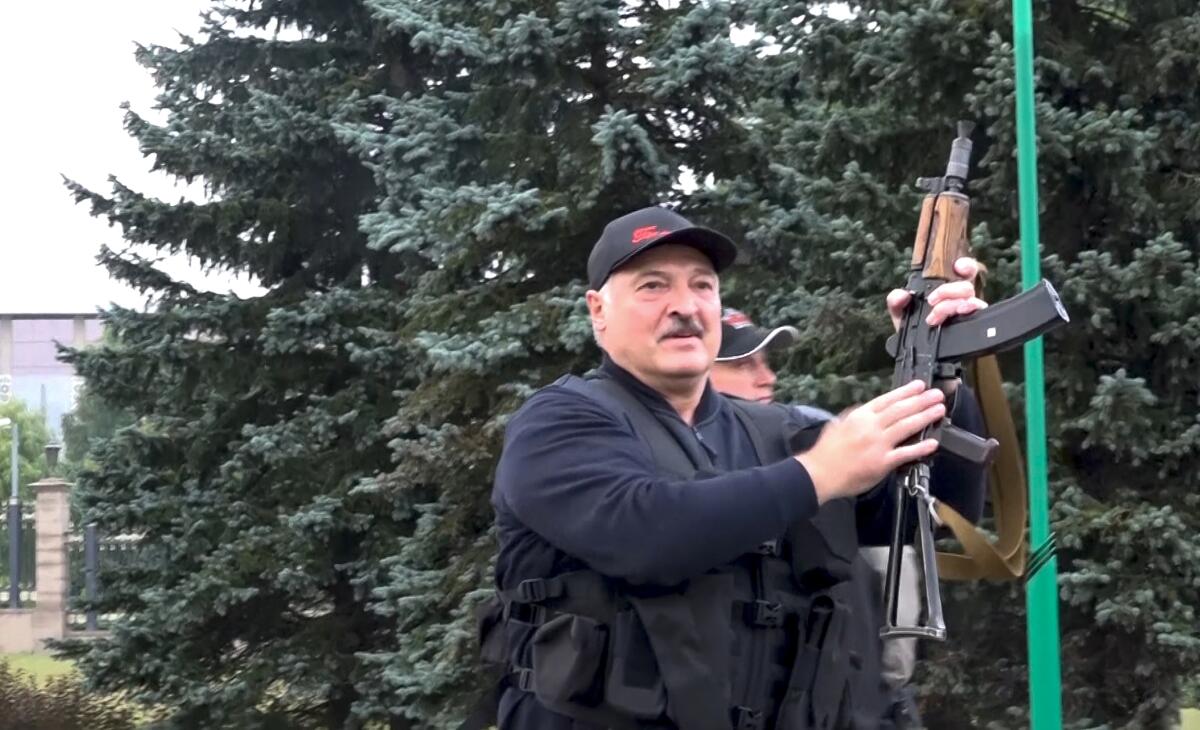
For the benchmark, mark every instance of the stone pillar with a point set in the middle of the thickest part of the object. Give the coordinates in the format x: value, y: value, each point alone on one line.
x: 6, y: 346
x: 6, y: 359
x: 53, y: 576
x: 79, y: 332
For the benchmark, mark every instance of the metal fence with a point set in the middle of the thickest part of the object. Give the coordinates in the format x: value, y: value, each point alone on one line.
x: 26, y: 561
x: 90, y: 557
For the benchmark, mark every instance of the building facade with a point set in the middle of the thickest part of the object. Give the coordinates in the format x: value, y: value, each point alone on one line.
x: 29, y: 367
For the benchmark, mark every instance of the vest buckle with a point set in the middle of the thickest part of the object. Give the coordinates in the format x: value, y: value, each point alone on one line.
x: 745, y: 718
x: 522, y: 679
x: 525, y: 613
x: 763, y: 614
x: 820, y: 617
x: 532, y: 590
x: 770, y: 548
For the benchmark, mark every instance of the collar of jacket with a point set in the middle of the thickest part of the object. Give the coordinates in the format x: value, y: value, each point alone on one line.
x: 710, y: 401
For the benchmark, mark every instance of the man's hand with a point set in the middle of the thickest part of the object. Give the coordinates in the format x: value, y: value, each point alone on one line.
x: 863, y: 446
x: 949, y: 299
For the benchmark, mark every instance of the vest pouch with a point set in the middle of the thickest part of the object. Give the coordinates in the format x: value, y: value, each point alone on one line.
x: 691, y: 637
x: 568, y: 661
x: 835, y: 665
x: 489, y: 625
x: 824, y: 548
x: 634, y: 685
x: 817, y: 690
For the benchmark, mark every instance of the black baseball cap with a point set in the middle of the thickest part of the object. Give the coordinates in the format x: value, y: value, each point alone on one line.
x: 635, y: 232
x: 741, y: 338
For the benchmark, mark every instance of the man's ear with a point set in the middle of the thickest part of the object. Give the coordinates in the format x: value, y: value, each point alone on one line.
x: 595, y: 304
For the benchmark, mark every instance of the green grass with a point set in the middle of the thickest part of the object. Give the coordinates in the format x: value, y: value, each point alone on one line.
x: 41, y: 666
x: 44, y: 667
x: 1190, y: 720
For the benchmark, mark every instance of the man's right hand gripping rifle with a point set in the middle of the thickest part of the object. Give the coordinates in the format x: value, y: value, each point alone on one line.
x: 929, y: 351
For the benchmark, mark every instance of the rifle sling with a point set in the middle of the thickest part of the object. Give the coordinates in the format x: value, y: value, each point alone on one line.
x: 1003, y: 559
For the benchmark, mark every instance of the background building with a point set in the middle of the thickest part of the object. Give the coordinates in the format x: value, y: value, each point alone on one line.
x: 29, y: 366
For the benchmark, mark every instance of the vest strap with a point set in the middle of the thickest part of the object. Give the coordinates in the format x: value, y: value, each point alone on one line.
x: 746, y: 718
x: 681, y: 458
x: 576, y: 584
x: 536, y: 590
x: 760, y: 614
x: 526, y: 613
x: 531, y: 601
x: 750, y: 422
x: 523, y: 603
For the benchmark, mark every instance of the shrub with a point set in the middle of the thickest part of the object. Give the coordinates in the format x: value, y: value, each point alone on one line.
x: 61, y: 703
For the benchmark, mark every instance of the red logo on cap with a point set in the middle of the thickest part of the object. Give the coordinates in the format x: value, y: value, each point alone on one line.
x: 645, y: 233
x: 736, y: 319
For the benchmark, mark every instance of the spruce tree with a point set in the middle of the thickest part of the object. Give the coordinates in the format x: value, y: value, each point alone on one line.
x: 417, y: 183
x: 258, y: 420
x: 543, y: 121
x: 90, y: 421
x: 829, y: 212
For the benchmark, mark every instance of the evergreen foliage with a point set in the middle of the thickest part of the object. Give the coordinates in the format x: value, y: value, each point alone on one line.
x: 259, y: 420
x: 417, y: 184
x: 92, y: 419
x: 830, y: 223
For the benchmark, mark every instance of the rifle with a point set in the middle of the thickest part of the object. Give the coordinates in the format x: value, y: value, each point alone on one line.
x: 933, y: 355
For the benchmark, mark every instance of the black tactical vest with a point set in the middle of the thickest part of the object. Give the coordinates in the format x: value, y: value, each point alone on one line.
x: 779, y: 638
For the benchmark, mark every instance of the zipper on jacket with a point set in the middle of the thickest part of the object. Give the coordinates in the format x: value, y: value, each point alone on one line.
x: 712, y: 454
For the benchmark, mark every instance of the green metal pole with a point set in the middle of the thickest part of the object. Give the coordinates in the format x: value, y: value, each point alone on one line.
x: 1041, y: 598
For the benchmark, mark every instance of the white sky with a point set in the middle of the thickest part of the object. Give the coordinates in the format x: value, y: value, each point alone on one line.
x: 65, y: 67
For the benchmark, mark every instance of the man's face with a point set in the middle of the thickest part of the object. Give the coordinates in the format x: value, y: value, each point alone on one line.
x: 749, y: 377
x: 660, y: 315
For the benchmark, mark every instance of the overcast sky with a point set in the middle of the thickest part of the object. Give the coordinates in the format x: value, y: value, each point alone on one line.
x: 65, y: 68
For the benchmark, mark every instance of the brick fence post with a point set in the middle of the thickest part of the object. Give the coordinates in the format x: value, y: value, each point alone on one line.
x: 53, y: 510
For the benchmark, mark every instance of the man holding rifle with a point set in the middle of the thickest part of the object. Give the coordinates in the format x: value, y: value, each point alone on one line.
x: 672, y: 558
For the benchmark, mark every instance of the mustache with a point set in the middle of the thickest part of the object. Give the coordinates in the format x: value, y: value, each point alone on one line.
x: 680, y: 327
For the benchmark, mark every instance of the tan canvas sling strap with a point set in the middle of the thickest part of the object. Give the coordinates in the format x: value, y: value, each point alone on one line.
x: 1003, y: 559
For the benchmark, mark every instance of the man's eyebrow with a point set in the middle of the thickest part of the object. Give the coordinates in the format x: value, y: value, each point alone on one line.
x: 652, y: 272
x: 701, y: 270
